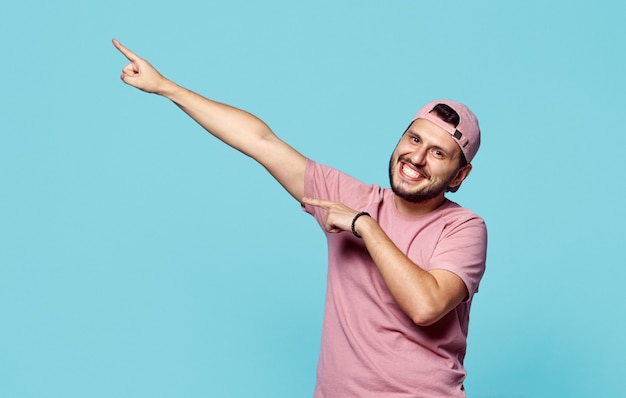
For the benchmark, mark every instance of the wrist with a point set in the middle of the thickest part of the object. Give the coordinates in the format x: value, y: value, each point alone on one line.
x: 168, y: 89
x: 355, y: 230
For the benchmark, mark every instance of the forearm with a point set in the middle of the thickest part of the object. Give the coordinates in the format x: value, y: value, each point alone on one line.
x: 237, y: 128
x: 424, y: 296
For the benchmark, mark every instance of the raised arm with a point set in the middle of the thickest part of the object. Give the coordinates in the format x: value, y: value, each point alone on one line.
x: 237, y: 128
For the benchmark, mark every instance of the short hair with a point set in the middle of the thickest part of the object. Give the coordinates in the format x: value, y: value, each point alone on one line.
x: 449, y: 115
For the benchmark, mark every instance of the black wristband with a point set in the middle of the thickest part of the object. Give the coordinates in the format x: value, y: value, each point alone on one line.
x: 363, y: 213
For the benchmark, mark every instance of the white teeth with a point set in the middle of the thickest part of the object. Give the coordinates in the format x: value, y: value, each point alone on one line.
x: 410, y: 172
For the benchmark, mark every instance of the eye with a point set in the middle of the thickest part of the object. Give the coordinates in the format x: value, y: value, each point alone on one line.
x: 438, y: 153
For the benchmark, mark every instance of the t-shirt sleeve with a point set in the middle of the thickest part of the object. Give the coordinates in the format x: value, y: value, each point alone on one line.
x: 462, y: 250
x: 327, y: 183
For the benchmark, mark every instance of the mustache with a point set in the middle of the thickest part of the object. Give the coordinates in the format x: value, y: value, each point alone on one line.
x: 420, y: 169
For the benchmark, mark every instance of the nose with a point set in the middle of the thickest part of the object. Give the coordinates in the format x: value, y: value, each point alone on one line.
x: 418, y: 156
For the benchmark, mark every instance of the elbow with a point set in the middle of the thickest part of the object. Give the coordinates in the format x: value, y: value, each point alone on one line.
x: 426, y: 315
x: 424, y: 320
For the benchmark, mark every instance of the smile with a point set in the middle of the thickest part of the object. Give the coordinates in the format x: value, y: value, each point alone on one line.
x: 409, y: 172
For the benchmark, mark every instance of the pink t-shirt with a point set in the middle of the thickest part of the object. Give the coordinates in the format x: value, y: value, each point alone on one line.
x: 370, y: 347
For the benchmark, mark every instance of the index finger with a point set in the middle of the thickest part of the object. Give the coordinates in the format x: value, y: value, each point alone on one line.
x: 324, y: 204
x: 131, y: 56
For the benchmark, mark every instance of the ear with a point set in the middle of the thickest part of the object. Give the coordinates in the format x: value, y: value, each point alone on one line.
x: 460, y: 176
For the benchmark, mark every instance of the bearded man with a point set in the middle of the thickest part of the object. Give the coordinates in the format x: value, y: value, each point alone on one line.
x: 403, y: 264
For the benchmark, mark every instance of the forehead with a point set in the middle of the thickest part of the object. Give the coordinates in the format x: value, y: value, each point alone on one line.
x: 433, y: 135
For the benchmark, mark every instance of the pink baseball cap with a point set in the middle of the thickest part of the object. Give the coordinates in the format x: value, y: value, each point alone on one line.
x: 466, y: 134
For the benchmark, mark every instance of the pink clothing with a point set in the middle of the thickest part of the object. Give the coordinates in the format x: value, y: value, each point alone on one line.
x: 369, y: 347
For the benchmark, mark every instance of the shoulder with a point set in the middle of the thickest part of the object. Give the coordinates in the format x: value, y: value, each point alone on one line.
x: 329, y: 183
x: 459, y: 221
x: 454, y: 212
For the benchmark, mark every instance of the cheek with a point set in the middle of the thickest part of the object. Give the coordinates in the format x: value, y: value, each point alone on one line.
x: 443, y: 171
x: 452, y: 174
x: 394, y: 156
x: 400, y: 150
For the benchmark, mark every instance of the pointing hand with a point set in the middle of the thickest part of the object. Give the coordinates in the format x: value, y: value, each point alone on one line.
x: 338, y: 216
x: 139, y: 73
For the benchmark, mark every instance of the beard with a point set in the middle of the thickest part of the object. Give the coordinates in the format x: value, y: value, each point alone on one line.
x: 421, y: 195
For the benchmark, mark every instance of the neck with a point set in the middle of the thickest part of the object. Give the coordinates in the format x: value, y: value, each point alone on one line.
x: 418, y: 209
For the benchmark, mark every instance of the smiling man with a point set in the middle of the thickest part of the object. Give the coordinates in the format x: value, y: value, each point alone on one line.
x: 403, y: 263
x: 434, y: 132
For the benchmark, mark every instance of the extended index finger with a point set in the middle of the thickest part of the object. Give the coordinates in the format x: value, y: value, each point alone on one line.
x: 324, y: 204
x: 131, y: 56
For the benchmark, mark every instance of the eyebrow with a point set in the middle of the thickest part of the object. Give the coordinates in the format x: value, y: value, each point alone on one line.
x: 416, y: 134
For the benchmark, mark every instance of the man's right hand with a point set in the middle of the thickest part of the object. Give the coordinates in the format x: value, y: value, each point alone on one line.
x: 139, y: 73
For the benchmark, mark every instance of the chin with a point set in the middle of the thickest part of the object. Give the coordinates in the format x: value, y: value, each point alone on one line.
x: 418, y: 195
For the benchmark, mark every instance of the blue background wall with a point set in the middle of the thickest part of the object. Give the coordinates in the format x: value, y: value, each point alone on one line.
x: 139, y: 257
